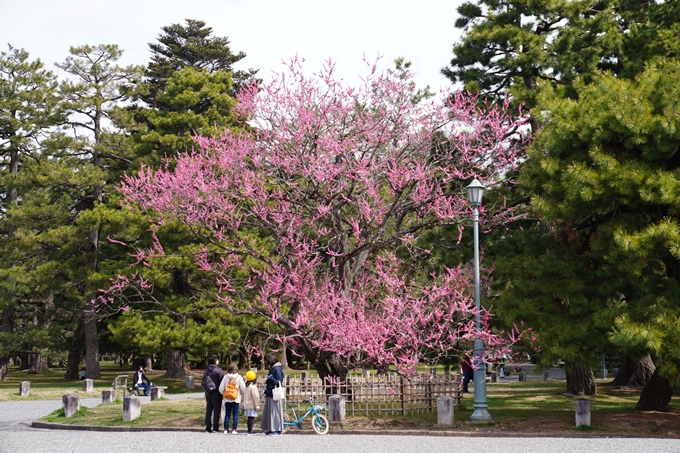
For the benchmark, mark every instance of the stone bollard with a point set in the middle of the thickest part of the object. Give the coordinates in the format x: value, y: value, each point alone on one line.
x: 132, y: 408
x: 108, y: 396
x: 546, y: 376
x: 366, y: 374
x: 24, y: 388
x: 304, y: 376
x: 494, y: 376
x: 189, y: 382
x: 615, y: 372
x: 88, y: 385
x: 522, y: 376
x: 582, y: 412
x: 445, y: 410
x: 393, y: 375
x: 71, y: 404
x: 336, y: 409
x: 157, y: 392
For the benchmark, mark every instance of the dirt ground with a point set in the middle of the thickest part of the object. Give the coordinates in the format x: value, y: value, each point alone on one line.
x: 624, y: 423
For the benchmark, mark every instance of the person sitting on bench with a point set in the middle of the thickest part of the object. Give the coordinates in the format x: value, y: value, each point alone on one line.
x: 141, y: 382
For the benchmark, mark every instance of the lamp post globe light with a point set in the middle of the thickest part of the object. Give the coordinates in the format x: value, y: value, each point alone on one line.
x: 481, y: 412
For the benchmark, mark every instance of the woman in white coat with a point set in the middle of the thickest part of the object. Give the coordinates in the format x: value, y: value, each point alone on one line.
x: 231, y: 388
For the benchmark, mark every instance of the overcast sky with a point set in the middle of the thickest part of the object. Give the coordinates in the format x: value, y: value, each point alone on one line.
x: 268, y: 31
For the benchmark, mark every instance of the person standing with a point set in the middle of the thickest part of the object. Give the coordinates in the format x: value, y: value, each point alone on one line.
x: 251, y: 399
x: 272, y: 415
x: 213, y: 398
x: 468, y: 372
x: 141, y: 382
x: 232, y: 381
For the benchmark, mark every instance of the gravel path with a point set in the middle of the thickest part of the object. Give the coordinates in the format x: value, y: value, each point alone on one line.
x: 183, y: 442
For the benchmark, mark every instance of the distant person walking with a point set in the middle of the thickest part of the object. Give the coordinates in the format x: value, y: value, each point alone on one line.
x: 251, y: 399
x: 231, y: 388
x: 272, y: 415
x: 213, y: 398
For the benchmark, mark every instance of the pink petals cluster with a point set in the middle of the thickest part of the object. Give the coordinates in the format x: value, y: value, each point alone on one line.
x: 313, y: 196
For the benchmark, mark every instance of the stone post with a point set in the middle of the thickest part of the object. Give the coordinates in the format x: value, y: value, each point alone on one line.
x: 494, y: 376
x: 336, y: 409
x: 366, y: 374
x: 546, y: 376
x: 132, y: 408
x: 304, y: 375
x: 24, y: 388
x: 88, y: 385
x: 522, y: 376
x: 71, y: 404
x: 189, y: 382
x: 157, y: 392
x: 582, y: 412
x: 445, y: 410
x: 108, y: 396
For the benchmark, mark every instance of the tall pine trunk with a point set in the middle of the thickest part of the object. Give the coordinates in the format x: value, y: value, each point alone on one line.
x: 581, y: 381
x: 75, y: 352
x: 655, y: 395
x: 634, y: 373
x: 177, y: 365
x: 7, y: 327
x: 91, y: 342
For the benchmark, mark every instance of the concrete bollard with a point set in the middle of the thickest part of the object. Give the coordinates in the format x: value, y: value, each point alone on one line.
x: 156, y: 393
x: 522, y: 376
x: 582, y: 412
x: 366, y: 374
x: 304, y: 376
x: 494, y: 376
x: 88, y: 385
x: 108, y: 396
x: 24, y: 388
x: 546, y: 376
x: 189, y: 382
x: 71, y: 404
x: 445, y: 410
x: 132, y: 408
x: 336, y: 409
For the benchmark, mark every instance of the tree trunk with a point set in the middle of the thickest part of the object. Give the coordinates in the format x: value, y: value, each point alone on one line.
x: 37, y: 363
x: 634, y: 373
x: 581, y: 381
x: 177, y: 365
x: 75, y: 353
x: 655, y: 395
x: 7, y: 327
x: 149, y: 364
x: 91, y: 342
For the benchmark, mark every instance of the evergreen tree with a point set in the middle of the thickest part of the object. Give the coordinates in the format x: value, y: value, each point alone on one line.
x: 99, y: 85
x: 29, y: 110
x: 605, y: 170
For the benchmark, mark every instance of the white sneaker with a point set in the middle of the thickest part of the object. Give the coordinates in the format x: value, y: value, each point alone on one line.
x: 225, y: 432
x: 234, y: 432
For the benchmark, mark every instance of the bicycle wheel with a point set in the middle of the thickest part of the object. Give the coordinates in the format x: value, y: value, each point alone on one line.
x: 286, y: 419
x: 320, y: 424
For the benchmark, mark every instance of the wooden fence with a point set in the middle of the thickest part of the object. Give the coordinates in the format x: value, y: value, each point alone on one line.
x: 376, y: 394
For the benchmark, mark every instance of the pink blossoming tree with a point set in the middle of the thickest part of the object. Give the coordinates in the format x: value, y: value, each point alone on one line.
x: 310, y: 215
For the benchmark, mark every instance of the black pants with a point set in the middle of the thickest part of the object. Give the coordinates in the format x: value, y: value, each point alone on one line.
x: 213, y: 407
x: 467, y: 377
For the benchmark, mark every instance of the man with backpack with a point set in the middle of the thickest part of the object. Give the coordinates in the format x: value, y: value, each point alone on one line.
x: 213, y: 398
x: 231, y: 388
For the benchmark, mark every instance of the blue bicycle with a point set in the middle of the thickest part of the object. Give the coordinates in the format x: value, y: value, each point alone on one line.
x: 319, y: 422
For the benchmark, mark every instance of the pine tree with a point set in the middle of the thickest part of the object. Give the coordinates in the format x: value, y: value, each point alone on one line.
x: 29, y: 110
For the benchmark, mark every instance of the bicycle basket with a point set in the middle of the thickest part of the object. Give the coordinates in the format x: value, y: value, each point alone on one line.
x: 318, y: 408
